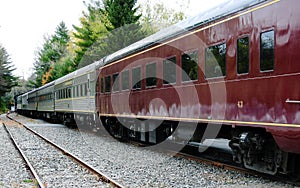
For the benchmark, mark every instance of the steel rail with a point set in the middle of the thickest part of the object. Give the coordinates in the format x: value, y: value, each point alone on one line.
x: 103, y: 176
x: 31, y: 169
x: 232, y: 167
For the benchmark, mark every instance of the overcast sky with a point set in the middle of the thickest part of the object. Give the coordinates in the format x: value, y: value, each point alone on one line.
x: 24, y: 23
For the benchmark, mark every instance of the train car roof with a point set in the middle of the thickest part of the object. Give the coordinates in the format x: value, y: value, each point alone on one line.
x: 65, y: 78
x: 88, y: 68
x: 79, y: 72
x: 46, y: 85
x: 225, y: 9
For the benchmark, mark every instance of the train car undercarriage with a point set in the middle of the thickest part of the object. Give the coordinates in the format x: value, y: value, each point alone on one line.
x: 254, y: 148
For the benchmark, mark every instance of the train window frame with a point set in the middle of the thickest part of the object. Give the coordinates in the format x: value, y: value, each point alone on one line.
x: 153, y: 77
x: 184, y: 71
x: 139, y: 82
x: 107, y: 81
x: 167, y: 60
x: 273, y: 50
x: 237, y: 55
x: 225, y: 61
x: 127, y: 87
x: 116, y: 86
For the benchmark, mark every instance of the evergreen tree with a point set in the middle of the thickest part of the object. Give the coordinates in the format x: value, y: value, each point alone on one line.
x: 120, y: 13
x: 121, y: 19
x: 91, y: 28
x: 53, y: 49
x: 7, y: 80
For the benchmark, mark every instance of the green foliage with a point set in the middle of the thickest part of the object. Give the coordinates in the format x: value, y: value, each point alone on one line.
x: 63, y: 67
x: 158, y: 16
x: 121, y: 22
x: 120, y: 13
x: 53, y: 49
x: 92, y: 27
x: 106, y: 26
x: 7, y: 80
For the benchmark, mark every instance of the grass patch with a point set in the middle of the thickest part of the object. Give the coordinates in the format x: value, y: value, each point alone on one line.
x: 28, y: 181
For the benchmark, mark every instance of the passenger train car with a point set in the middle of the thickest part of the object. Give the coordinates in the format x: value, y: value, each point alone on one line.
x: 232, y: 72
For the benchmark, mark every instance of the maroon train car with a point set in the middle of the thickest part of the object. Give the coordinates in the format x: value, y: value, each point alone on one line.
x: 232, y: 72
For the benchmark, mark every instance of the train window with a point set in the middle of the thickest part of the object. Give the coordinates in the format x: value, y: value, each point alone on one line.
x: 102, y: 85
x: 86, y: 89
x: 116, y: 82
x: 107, y: 84
x: 243, y: 55
x: 189, y: 66
x: 77, y: 91
x: 125, y: 80
x: 169, y: 70
x: 69, y: 93
x: 215, y: 61
x: 151, y: 79
x: 81, y: 90
x: 267, y: 42
x: 136, y: 78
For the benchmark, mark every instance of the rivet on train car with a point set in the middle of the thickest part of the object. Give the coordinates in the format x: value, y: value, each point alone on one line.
x: 240, y: 104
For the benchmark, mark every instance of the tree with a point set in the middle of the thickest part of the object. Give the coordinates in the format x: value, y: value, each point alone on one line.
x: 92, y: 27
x: 158, y: 16
x: 120, y: 13
x: 54, y: 48
x: 7, y: 80
x: 121, y: 20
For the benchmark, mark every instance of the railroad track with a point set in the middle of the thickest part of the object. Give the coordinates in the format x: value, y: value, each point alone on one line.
x: 27, y: 162
x: 208, y: 162
x: 227, y: 165
x: 100, y: 175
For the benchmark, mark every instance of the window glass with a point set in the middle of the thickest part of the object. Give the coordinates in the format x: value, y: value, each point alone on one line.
x: 169, y: 71
x: 136, y: 78
x: 81, y: 90
x: 102, y: 85
x: 64, y: 94
x: 77, y: 91
x: 107, y: 84
x: 215, y: 61
x: 116, y: 82
x: 125, y: 80
x: 267, y: 51
x: 86, y: 88
x: 151, y: 79
x: 189, y: 66
x: 243, y: 55
x: 69, y: 93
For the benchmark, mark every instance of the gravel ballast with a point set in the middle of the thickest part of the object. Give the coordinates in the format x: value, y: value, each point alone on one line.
x: 137, y: 167
x: 13, y: 171
x: 54, y: 168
